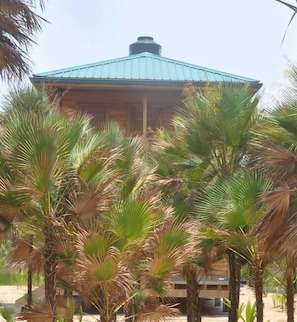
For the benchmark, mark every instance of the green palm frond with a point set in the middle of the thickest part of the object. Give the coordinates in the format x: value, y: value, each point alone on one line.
x: 173, y: 240
x: 96, y: 246
x: 169, y: 247
x: 131, y: 221
x: 216, y: 125
x: 234, y: 203
x: 104, y: 272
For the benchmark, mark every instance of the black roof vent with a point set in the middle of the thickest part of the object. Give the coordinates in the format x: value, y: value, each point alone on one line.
x: 144, y: 44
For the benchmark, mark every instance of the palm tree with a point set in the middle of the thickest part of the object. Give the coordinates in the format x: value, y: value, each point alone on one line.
x: 49, y: 160
x: 132, y: 248
x: 111, y: 273
x: 65, y: 180
x: 213, y: 130
x: 275, y: 154
x: 18, y: 25
x: 228, y: 209
x: 182, y: 176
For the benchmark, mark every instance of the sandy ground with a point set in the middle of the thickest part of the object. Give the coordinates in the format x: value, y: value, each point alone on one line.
x: 211, y: 313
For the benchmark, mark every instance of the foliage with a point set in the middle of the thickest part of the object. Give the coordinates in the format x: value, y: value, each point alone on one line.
x: 294, y: 8
x: 250, y: 312
x: 88, y: 210
x: 5, y: 247
x: 7, y: 313
x: 18, y: 26
x: 246, y: 312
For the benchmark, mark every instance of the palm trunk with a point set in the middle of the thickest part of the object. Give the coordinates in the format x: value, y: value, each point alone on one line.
x: 30, y: 277
x: 290, y: 289
x: 106, y: 307
x: 106, y: 317
x: 193, y: 302
x: 234, y: 286
x: 258, y: 278
x: 50, y: 273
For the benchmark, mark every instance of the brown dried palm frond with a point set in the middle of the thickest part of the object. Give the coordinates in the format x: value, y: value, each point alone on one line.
x: 156, y: 312
x: 10, y: 210
x: 36, y: 260
x: 85, y: 205
x: 44, y: 313
x: 206, y: 260
x: 269, y: 229
x: 87, y: 201
x: 278, y: 200
x: 286, y: 244
x: 21, y: 250
x: 66, y: 253
x: 18, y: 24
x: 67, y: 260
x: 170, y: 184
x: 22, y: 254
x: 277, y: 160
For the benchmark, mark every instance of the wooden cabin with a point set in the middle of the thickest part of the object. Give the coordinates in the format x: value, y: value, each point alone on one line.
x: 140, y: 92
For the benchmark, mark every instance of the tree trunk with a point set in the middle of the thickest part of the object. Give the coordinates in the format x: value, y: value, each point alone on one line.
x: 50, y: 273
x: 258, y: 283
x: 234, y: 286
x: 290, y: 289
x: 30, y: 276
x: 193, y: 302
x: 108, y: 317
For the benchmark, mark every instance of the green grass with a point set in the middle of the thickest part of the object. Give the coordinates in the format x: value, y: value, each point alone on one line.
x: 20, y: 278
x: 11, y: 279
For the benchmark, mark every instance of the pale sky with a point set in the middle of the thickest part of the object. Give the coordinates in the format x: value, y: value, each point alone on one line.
x: 242, y: 37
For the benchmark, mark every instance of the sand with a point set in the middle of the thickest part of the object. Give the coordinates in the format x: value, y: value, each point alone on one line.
x: 211, y: 313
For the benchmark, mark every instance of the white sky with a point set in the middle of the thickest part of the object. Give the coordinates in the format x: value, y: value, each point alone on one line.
x: 242, y: 37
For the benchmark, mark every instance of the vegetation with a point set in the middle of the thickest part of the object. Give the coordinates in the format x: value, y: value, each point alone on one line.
x: 18, y: 25
x: 86, y: 209
x: 210, y: 142
x: 114, y: 219
x: 292, y: 7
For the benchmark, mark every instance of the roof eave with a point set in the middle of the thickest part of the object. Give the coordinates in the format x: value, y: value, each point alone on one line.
x: 78, y: 81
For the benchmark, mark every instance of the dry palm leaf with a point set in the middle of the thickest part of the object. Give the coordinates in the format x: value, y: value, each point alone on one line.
x: 41, y: 314
x: 156, y: 312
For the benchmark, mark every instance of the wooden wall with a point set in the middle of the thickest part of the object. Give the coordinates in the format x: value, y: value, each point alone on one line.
x: 125, y: 106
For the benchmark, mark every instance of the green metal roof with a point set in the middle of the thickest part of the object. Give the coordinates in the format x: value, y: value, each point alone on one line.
x: 143, y: 67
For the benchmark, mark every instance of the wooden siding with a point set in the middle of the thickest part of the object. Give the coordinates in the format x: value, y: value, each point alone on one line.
x: 214, y: 283
x: 124, y: 107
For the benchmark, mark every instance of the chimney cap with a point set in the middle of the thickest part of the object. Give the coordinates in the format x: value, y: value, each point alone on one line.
x: 145, y: 44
